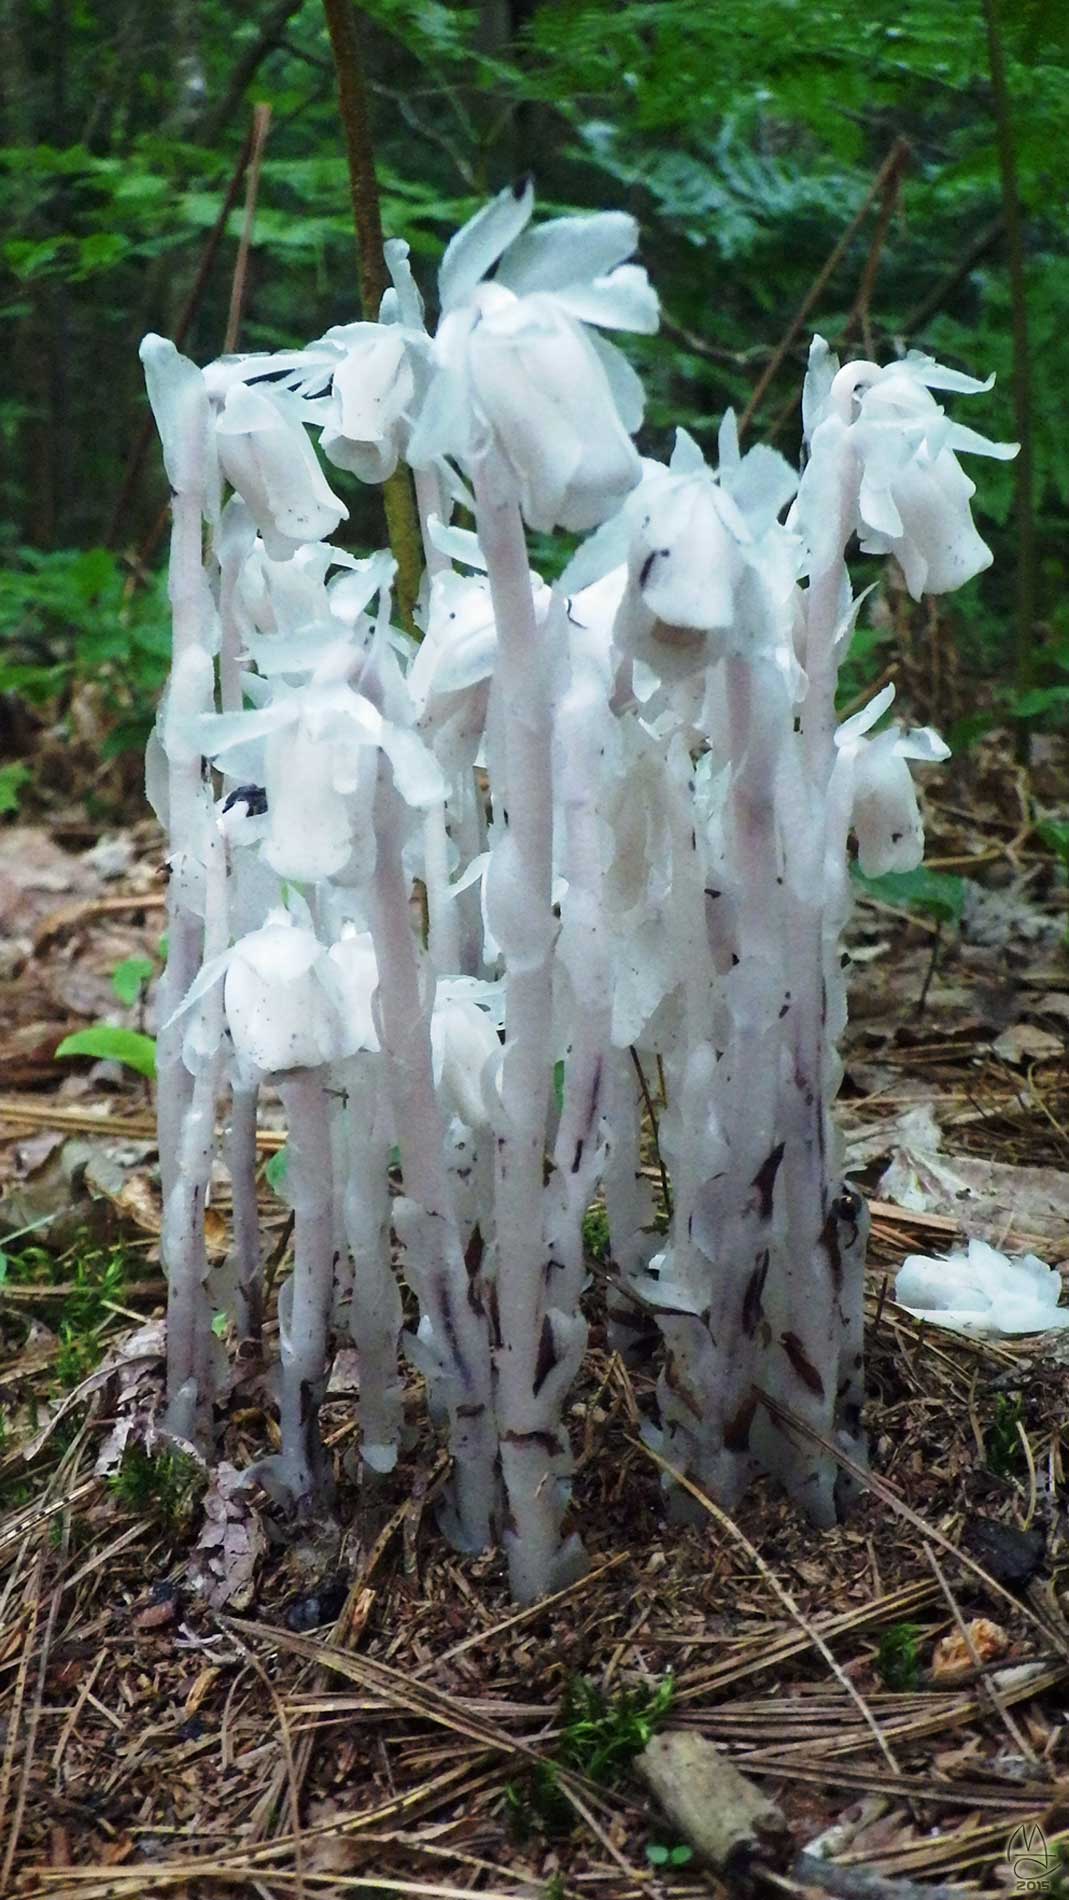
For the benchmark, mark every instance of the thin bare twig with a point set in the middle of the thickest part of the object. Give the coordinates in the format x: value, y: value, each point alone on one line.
x: 780, y: 1590
x: 894, y: 162
x: 261, y: 125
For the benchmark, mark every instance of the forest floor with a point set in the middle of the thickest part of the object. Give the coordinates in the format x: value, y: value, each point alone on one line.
x: 361, y: 1711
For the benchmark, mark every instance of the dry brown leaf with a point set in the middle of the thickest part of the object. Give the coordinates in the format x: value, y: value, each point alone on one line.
x: 953, y: 1656
x: 1026, y: 1042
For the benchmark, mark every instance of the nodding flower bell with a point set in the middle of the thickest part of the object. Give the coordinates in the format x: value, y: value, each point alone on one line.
x: 280, y: 1012
x: 266, y: 455
x: 914, y: 495
x: 466, y: 1048
x: 884, y: 812
x: 517, y: 367
x: 710, y: 569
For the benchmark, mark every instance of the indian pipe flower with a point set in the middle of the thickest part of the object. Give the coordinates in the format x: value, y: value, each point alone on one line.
x: 266, y: 455
x: 517, y: 367
x: 885, y: 815
x: 914, y: 495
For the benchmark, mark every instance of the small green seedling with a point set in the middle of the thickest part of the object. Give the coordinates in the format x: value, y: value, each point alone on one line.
x: 898, y: 1657
x: 600, y: 1737
x: 12, y: 779
x: 165, y: 1488
x: 1002, y: 1445
x: 596, y: 1239
x: 1056, y: 838
x: 660, y: 1855
x: 933, y: 892
x: 130, y: 979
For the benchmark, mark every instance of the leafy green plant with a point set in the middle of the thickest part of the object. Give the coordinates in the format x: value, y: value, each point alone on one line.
x: 596, y: 1239
x: 600, y: 1737
x: 68, y: 615
x: 12, y: 779
x: 1002, y: 1443
x: 934, y: 892
x: 1056, y: 837
x: 110, y: 1044
x: 898, y: 1656
x: 165, y: 1487
x: 95, y: 1278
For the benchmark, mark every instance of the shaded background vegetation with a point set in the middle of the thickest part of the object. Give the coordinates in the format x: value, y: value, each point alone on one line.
x: 746, y: 137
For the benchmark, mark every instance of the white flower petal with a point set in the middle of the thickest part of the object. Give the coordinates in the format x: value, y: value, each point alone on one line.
x: 924, y: 744
x: 416, y: 772
x: 624, y: 381
x: 179, y: 399
x: 863, y: 721
x: 476, y: 247
x: 967, y: 441
x: 279, y: 1015
x: 564, y: 252
x: 625, y: 300
x: 265, y: 454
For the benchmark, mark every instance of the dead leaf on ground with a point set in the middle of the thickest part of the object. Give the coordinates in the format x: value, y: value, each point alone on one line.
x: 1026, y: 1042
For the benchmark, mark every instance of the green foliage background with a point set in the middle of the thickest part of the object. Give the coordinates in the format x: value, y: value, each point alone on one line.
x: 744, y: 136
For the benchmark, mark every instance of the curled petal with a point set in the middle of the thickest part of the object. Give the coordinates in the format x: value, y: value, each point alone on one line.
x: 476, y: 247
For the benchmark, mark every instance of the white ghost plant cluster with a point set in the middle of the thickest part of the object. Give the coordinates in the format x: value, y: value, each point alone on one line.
x: 479, y: 906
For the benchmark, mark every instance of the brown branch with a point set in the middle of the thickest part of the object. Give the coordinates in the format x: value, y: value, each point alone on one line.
x: 261, y: 125
x: 1024, y: 497
x: 859, y: 1883
x: 270, y: 37
x: 398, y: 500
x: 862, y: 302
x: 930, y: 305
x: 894, y: 162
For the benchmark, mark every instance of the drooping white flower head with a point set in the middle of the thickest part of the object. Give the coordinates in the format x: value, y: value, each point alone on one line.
x: 178, y: 394
x: 982, y: 1292
x: 266, y: 455
x: 466, y: 1049
x: 280, y: 1013
x: 519, y: 370
x: 914, y: 495
x: 312, y: 747
x: 885, y: 814
x: 709, y: 568
x: 354, y: 976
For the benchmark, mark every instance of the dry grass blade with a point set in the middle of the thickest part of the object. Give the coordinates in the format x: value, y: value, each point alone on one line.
x: 541, y: 1608
x: 869, y: 1481
x: 887, y: 1609
x: 10, y: 1834
x: 815, y: 1638
x: 422, y: 1700
x: 98, y: 1883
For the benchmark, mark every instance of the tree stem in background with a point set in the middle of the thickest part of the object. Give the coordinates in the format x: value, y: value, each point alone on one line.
x: 1022, y: 359
x: 402, y: 521
x: 261, y: 125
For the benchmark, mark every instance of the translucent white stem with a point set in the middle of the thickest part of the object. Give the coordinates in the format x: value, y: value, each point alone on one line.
x: 246, y: 1254
x: 190, y: 1341
x: 186, y: 1111
x: 532, y: 1355
x: 375, y: 1312
x: 457, y: 1351
x: 443, y: 926
x: 304, y: 1319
